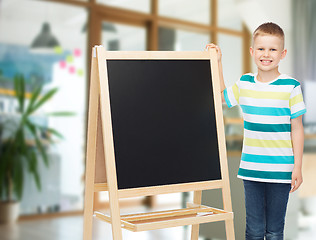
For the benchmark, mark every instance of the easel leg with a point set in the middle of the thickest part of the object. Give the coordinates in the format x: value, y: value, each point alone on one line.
x: 197, y: 199
x: 116, y: 218
x: 89, y: 197
x: 229, y: 224
x: 88, y: 216
x: 91, y: 153
x: 230, y: 232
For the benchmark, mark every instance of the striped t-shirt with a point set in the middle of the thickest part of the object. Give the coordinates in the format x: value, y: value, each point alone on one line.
x: 267, y: 154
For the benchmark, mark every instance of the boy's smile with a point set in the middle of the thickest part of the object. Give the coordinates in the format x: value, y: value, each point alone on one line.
x: 267, y: 52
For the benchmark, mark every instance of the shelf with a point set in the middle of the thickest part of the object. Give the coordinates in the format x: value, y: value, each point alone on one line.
x: 172, y: 218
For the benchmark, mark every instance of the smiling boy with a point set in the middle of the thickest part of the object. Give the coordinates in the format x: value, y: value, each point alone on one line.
x: 271, y: 161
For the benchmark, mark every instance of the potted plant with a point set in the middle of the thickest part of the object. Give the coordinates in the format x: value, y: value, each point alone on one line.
x: 20, y: 154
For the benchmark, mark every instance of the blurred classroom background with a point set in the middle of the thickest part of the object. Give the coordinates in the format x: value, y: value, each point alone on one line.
x: 49, y: 42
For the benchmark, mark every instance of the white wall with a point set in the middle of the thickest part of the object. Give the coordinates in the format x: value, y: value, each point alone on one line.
x: 256, y: 12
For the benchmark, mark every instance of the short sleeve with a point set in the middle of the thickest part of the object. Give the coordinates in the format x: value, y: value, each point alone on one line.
x: 297, y: 104
x: 231, y: 95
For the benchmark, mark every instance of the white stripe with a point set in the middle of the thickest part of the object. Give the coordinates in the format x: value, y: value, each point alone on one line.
x: 267, y: 135
x: 285, y: 76
x: 267, y: 167
x: 250, y: 74
x: 264, y: 180
x: 296, y: 91
x: 231, y: 96
x: 260, y: 102
x: 238, y: 83
x: 267, y: 119
x: 265, y: 87
x: 297, y: 107
x: 268, y: 151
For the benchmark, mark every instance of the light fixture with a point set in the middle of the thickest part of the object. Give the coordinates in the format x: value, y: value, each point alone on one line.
x: 45, y: 40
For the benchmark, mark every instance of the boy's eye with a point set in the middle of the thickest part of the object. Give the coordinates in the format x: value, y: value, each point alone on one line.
x: 260, y: 49
x: 273, y: 49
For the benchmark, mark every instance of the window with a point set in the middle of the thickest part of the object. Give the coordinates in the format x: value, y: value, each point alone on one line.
x: 180, y: 25
x: 123, y: 37
x: 194, y: 11
x: 135, y: 5
x: 64, y: 67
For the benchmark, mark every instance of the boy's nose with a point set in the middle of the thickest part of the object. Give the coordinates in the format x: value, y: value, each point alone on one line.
x: 266, y: 53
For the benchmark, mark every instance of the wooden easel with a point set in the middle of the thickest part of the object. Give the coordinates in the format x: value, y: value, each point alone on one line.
x: 101, y: 168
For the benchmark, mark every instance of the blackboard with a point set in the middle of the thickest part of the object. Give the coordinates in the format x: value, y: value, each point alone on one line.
x: 163, y: 122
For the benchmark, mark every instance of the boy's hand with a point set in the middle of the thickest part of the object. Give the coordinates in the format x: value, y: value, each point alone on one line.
x: 218, y: 50
x: 297, y: 179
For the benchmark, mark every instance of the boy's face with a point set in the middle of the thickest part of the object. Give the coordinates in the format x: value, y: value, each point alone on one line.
x: 267, y: 51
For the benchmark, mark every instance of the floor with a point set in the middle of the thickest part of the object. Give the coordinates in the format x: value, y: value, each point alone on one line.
x: 307, y: 227
x: 70, y: 228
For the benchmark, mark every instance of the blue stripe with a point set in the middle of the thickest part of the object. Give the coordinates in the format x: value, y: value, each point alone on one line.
x: 247, y: 78
x: 265, y: 174
x: 226, y: 98
x: 293, y: 82
x: 267, y: 159
x: 260, y: 127
x: 267, y: 111
x: 297, y: 114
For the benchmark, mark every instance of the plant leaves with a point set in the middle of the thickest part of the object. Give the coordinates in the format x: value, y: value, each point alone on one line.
x: 61, y: 114
x: 55, y: 132
x: 19, y: 87
x: 38, y: 142
x: 42, y: 150
x: 34, y: 170
x: 21, y: 141
x: 31, y: 127
x: 18, y: 176
x: 3, y: 164
x: 19, y: 154
x: 49, y: 130
x: 36, y: 92
x: 42, y: 100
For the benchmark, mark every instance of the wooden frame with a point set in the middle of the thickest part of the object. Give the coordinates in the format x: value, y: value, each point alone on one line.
x: 101, y: 168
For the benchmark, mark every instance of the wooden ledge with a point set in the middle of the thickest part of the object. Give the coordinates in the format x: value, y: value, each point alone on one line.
x: 164, y: 189
x: 171, y: 218
x: 100, y: 187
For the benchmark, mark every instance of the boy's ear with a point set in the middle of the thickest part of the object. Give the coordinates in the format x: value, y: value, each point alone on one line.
x: 251, y: 51
x: 284, y: 52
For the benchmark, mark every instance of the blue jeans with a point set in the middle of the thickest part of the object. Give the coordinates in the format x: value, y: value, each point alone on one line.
x: 265, y: 209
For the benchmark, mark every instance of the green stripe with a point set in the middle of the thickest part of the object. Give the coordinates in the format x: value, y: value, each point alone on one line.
x: 267, y: 111
x: 260, y: 127
x: 264, y: 174
x: 247, y: 78
x: 297, y: 114
x: 227, y: 98
x: 286, y: 82
x: 267, y: 159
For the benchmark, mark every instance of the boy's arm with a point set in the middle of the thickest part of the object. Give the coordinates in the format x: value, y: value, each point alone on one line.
x: 297, y: 136
x: 220, y: 68
x: 221, y: 79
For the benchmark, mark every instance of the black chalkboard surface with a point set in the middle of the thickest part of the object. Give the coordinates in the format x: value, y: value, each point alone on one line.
x: 163, y: 121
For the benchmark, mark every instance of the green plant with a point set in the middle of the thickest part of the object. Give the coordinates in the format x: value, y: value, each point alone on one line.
x: 17, y: 154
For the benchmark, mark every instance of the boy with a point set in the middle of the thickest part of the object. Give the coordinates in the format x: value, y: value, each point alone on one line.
x: 271, y: 161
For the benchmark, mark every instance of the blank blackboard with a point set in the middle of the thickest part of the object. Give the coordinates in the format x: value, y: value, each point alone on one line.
x: 163, y: 122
